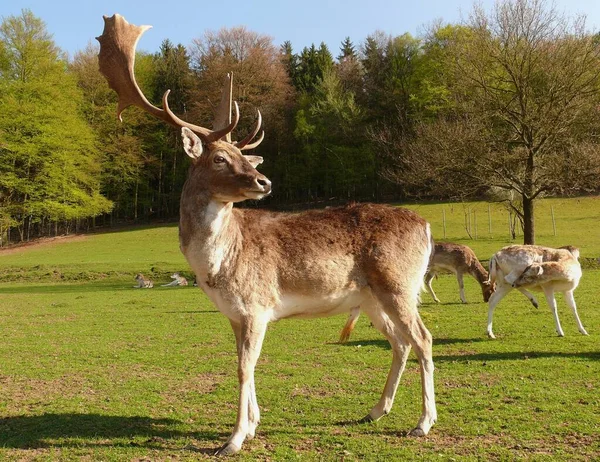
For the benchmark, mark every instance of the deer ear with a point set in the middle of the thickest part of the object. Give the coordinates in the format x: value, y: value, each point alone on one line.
x: 255, y: 161
x: 191, y: 143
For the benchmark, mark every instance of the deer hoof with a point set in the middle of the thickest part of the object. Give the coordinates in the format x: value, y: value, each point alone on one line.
x: 417, y: 432
x: 491, y: 335
x: 227, y: 450
x: 366, y: 419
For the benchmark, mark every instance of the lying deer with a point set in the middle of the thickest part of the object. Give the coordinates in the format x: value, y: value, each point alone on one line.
x: 143, y: 282
x: 178, y: 280
x: 540, y: 269
x: 455, y: 258
x: 258, y: 266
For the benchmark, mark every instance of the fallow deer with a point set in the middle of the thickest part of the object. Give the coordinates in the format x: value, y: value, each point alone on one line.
x: 459, y: 260
x: 258, y: 266
x: 143, y: 282
x: 447, y: 257
x: 178, y: 280
x: 540, y: 269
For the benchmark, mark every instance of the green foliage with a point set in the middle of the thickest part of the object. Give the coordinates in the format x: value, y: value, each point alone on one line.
x: 312, y: 65
x: 347, y: 50
x: 393, y: 116
x: 48, y: 159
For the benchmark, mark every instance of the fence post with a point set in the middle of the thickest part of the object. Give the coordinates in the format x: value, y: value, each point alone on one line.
x: 444, y: 220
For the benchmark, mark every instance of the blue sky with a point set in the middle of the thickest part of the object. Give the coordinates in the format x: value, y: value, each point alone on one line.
x: 75, y: 23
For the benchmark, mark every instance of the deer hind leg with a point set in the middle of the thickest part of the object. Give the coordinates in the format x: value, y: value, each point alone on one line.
x: 571, y: 302
x: 400, y: 351
x: 428, y: 278
x: 401, y: 309
x: 252, y: 334
x: 461, y: 287
x: 498, y: 295
x: 549, y: 293
x: 350, y: 324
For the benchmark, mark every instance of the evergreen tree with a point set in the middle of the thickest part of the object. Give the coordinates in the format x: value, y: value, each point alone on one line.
x: 289, y: 60
x: 347, y: 50
x: 313, y: 64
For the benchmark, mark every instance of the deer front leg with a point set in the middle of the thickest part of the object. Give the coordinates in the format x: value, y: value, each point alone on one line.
x: 252, y: 334
x: 253, y: 409
x: 529, y: 295
x: 571, y: 302
x: 549, y: 293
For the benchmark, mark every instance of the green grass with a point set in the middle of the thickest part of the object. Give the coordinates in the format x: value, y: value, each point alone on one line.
x: 94, y: 370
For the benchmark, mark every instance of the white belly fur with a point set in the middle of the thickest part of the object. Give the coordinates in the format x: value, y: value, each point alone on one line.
x: 309, y: 306
x: 297, y: 306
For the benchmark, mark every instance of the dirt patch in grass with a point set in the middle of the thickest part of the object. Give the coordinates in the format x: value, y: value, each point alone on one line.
x: 201, y: 384
x: 520, y: 449
x: 22, y: 393
x: 41, y: 243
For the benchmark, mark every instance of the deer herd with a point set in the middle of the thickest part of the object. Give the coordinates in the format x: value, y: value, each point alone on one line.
x: 259, y: 266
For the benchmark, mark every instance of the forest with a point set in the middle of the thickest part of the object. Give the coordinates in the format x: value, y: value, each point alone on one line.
x: 501, y: 107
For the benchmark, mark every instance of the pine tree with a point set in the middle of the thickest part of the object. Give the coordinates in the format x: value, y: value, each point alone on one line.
x: 347, y: 50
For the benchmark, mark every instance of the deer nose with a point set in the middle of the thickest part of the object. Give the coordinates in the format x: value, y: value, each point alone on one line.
x: 263, y: 184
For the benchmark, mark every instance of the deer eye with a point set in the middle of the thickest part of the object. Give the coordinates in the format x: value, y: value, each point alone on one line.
x: 219, y: 159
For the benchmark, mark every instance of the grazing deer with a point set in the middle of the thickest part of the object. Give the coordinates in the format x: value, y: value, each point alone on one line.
x: 143, y: 282
x: 458, y: 259
x: 455, y: 258
x: 178, y: 280
x: 540, y: 269
x: 258, y: 266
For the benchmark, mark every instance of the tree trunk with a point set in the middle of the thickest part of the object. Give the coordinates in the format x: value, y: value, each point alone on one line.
x: 135, y: 201
x: 528, y: 221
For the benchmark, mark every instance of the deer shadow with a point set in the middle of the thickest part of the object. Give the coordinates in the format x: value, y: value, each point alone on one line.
x: 517, y: 355
x: 38, y: 431
x: 383, y: 343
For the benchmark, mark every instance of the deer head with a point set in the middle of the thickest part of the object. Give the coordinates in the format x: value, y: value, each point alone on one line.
x: 226, y: 173
x: 487, y: 288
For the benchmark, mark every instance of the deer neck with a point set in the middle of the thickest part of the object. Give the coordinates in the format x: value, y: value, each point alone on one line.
x: 209, y: 236
x: 478, y: 272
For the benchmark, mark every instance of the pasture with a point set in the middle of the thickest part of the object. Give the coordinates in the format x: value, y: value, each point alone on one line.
x: 92, y: 369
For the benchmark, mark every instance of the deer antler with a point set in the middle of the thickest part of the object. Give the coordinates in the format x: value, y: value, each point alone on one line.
x: 243, y: 145
x: 116, y: 61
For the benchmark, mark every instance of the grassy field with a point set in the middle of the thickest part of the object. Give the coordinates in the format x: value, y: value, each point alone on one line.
x: 91, y: 369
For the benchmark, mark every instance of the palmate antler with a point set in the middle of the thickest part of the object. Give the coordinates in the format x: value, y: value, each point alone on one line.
x: 116, y: 61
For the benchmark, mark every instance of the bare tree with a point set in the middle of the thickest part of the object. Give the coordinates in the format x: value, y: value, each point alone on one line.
x: 261, y: 79
x: 531, y: 77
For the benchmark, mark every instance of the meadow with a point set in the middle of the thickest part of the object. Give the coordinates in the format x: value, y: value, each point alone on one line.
x: 91, y: 369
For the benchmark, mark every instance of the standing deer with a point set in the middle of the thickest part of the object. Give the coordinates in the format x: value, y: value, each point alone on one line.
x: 537, y: 268
x: 455, y: 258
x: 258, y: 266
